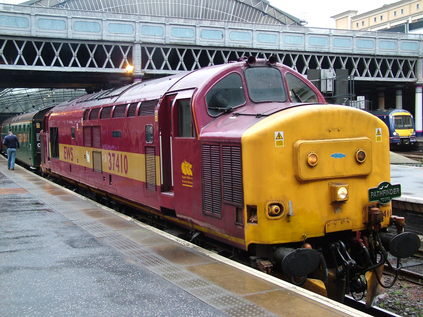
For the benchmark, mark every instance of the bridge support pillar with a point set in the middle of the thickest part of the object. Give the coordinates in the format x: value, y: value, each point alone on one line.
x: 398, y: 98
x: 381, y: 100
x: 136, y: 60
x: 418, y: 117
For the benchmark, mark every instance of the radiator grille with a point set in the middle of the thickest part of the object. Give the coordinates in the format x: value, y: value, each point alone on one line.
x: 150, y: 168
x: 232, y: 174
x: 212, y: 196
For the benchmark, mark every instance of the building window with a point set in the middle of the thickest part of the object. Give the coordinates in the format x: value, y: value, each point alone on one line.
x: 395, y: 13
x: 402, y: 11
x: 356, y: 24
x: 381, y: 17
x: 362, y: 23
x: 374, y: 19
x: 418, y: 6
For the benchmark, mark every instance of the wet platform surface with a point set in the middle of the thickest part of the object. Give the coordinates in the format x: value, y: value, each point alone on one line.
x: 64, y: 255
x: 411, y: 180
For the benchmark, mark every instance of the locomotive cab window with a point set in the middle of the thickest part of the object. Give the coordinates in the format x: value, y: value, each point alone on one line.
x: 265, y: 84
x: 225, y: 95
x: 185, y: 124
x: 403, y: 122
x: 299, y: 91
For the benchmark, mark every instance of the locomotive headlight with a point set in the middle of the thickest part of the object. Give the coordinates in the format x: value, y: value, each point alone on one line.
x: 395, y: 133
x: 339, y: 192
x: 342, y: 194
x: 312, y: 159
x: 360, y: 156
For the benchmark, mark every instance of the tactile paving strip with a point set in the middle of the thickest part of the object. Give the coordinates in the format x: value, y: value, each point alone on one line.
x: 211, y: 294
x: 202, y: 289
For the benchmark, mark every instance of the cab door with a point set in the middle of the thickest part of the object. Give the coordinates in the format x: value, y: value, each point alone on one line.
x: 186, y: 155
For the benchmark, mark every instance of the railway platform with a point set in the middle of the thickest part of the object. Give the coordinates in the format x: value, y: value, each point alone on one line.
x: 65, y: 255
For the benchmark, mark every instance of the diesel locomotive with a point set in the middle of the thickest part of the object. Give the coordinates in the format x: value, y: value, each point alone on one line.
x: 250, y: 154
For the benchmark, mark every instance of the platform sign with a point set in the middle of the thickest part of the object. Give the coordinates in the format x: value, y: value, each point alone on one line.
x: 384, y: 192
x: 279, y: 139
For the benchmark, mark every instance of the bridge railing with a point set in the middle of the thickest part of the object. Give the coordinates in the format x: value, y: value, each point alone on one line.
x: 36, y: 22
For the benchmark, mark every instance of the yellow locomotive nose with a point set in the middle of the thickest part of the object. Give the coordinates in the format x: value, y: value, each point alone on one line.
x: 320, y: 174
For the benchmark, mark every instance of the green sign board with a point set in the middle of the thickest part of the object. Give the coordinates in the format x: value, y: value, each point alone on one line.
x: 384, y: 192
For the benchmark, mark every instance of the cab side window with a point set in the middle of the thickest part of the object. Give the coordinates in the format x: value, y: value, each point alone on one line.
x: 225, y: 95
x: 185, y: 122
x: 299, y: 91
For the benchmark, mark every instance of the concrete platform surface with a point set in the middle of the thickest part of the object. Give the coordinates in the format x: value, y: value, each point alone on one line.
x: 64, y: 255
x: 411, y: 180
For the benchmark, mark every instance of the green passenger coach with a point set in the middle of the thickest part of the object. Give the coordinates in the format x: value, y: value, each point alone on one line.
x: 27, y: 128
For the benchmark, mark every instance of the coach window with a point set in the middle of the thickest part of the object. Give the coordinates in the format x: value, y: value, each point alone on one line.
x: 225, y: 95
x: 132, y: 110
x: 105, y: 112
x: 265, y: 84
x: 94, y: 113
x: 54, y: 142
x: 185, y: 125
x: 119, y: 111
x: 147, y: 107
x: 73, y: 133
x: 299, y: 91
x: 86, y: 112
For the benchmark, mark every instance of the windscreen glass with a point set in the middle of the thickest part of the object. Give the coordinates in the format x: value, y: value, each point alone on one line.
x: 225, y: 95
x: 265, y: 84
x: 403, y: 122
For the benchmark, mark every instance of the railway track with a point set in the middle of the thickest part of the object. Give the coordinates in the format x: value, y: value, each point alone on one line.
x: 373, y: 310
x: 414, y: 155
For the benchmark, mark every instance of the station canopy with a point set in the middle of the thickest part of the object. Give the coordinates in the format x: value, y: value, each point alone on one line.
x: 21, y: 100
x: 247, y: 11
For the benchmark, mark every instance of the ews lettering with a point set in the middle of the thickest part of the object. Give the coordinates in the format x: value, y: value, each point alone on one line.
x: 68, y: 153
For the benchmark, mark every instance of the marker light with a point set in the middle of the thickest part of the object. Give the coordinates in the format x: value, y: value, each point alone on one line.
x: 312, y: 159
x: 339, y: 192
x: 274, y: 210
x: 360, y: 156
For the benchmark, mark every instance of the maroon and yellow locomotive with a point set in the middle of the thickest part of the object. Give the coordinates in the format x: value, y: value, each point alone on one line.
x: 248, y: 153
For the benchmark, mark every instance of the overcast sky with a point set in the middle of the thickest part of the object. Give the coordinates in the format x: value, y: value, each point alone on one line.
x: 316, y: 12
